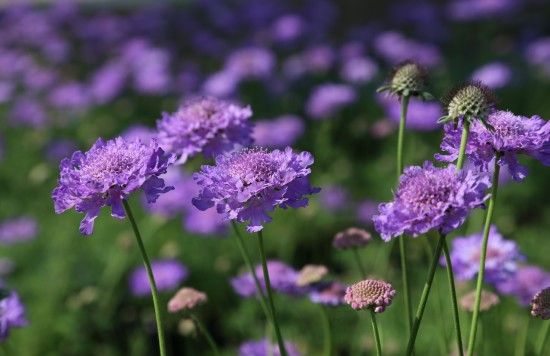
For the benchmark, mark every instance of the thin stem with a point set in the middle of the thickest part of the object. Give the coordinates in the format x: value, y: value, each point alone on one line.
x: 483, y: 255
x: 250, y: 266
x: 450, y: 277
x: 327, y: 337
x: 463, y: 142
x: 154, y: 291
x: 280, y: 340
x: 206, y: 334
x: 401, y: 135
x: 542, y: 338
x: 375, y: 331
x: 425, y: 294
x: 521, y: 341
x: 359, y: 263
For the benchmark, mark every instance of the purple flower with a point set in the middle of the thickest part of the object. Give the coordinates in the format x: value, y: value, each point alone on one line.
x: 265, y: 348
x: 538, y: 54
x: 248, y: 184
x: 287, y: 28
x: 28, y: 112
x: 370, y: 293
x: 205, y: 125
x: 279, y: 132
x: 72, y: 96
x: 207, y: 222
x: 138, y: 133
x: 465, y: 10
x: 495, y: 75
x: 431, y: 198
x: 328, y: 293
x: 525, y: 283
x: 358, y: 70
x: 149, y: 67
x: 107, y: 174
x: 59, y: 149
x: 108, y: 81
x: 501, y: 262
x: 510, y: 135
x: 221, y: 84
x: 334, y: 198
x: 20, y: 229
x: 421, y: 115
x: 396, y: 48
x: 366, y: 210
x: 251, y: 63
x: 169, y: 274
x: 12, y: 314
x: 328, y: 99
x: 283, y: 279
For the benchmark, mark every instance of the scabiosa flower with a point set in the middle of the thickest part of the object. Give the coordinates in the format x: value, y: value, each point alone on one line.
x: 283, y: 279
x: 501, y: 261
x: 407, y: 79
x: 266, y: 348
x: 56, y: 150
x: 18, y: 229
x: 247, y: 184
x: 251, y: 63
x: 540, y: 304
x: 207, y: 125
x: 538, y: 54
x: 495, y: 75
x: 370, y: 293
x: 328, y: 99
x: 12, y: 313
x: 310, y: 274
x: 421, y: 115
x: 352, y: 237
x: 488, y: 300
x: 396, y: 48
x: 508, y: 135
x: 168, y: 275
x: 334, y: 198
x: 358, y: 70
x: 431, y: 198
x: 107, y: 174
x: 524, y: 284
x: 366, y: 209
x: 471, y: 102
x: 328, y: 293
x: 279, y: 132
x: 186, y: 299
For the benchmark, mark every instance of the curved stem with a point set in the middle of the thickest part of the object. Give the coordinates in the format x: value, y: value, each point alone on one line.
x: 425, y: 294
x: 463, y: 142
x: 327, y: 337
x: 359, y: 263
x: 280, y: 340
x: 206, y: 334
x: 376, y: 333
x: 250, y: 266
x: 483, y: 255
x: 542, y: 338
x: 450, y: 277
x: 154, y: 291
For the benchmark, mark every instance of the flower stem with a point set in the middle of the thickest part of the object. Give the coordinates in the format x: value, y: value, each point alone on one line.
x: 542, y: 338
x: 402, y: 250
x: 450, y: 277
x: 359, y: 263
x: 463, y: 143
x: 327, y: 337
x: 483, y: 255
x: 154, y: 291
x: 250, y: 266
x: 206, y: 334
x: 425, y: 294
x: 376, y: 333
x: 280, y: 341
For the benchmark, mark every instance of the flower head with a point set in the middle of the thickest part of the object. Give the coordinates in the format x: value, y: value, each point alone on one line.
x: 186, y: 299
x: 471, y: 102
x: 107, y: 174
x: 310, y: 274
x: 247, y: 184
x: 265, y: 347
x: 352, y: 237
x: 431, y: 198
x: 328, y: 99
x: 168, y: 275
x: 370, y: 293
x: 488, y: 300
x: 278, y: 133
x: 540, y: 304
x: 408, y: 79
x: 495, y: 75
x: 501, y: 261
x: 508, y: 135
x: 328, y: 293
x: 12, y: 313
x: 524, y: 284
x: 16, y: 230
x: 207, y: 125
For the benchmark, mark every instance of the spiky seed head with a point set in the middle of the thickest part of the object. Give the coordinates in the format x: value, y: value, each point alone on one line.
x: 473, y: 101
x: 408, y: 79
x: 540, y: 305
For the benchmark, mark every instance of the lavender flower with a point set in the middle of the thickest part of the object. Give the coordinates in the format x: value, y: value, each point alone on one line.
x: 221, y: 84
x: 370, y: 293
x: 396, y: 48
x: 287, y: 28
x: 538, y: 54
x: 72, y: 96
x: 107, y: 174
x: 168, y: 275
x: 59, y: 149
x: 524, y: 284
x: 501, y: 261
x: 431, y: 198
x: 352, y: 237
x: 251, y: 63
x: 19, y: 229
x: 328, y: 293
x: 540, y: 304
x: 108, y: 81
x: 207, y: 222
x: 508, y: 135
x: 28, y: 112
x: 334, y: 198
x: 328, y: 99
x: 279, y: 132
x: 358, y: 70
x: 366, y: 209
x: 265, y: 348
x: 247, y: 184
x: 204, y: 125
x: 12, y: 314
x: 466, y: 10
x: 186, y: 299
x: 283, y: 279
x: 495, y: 75
x: 421, y: 115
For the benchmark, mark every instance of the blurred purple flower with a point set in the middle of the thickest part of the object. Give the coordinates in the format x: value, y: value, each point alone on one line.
x: 59, y: 149
x: 327, y: 100
x: 108, y: 81
x: 334, y: 198
x: 396, y: 48
x: 495, y: 75
x: 278, y: 133
x: 149, y: 67
x: 251, y: 63
x: 265, y: 348
x: 221, y: 84
x: 466, y: 10
x: 72, y: 96
x: 366, y: 209
x: 12, y: 314
x: 139, y: 132
x: 19, y: 229
x: 524, y: 284
x: 358, y: 70
x: 169, y: 274
x: 328, y: 293
x: 287, y: 28
x: 538, y: 54
x: 421, y: 115
x: 28, y: 112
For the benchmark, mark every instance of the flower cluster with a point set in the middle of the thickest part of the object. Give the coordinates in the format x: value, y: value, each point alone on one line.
x: 370, y: 293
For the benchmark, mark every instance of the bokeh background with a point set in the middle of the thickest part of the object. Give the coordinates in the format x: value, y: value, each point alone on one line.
x: 72, y: 72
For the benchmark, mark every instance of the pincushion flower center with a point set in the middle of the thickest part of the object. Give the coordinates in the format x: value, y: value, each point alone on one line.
x: 106, y: 163
x: 424, y: 194
x: 252, y: 167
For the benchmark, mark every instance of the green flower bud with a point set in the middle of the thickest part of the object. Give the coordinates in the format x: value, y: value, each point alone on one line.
x: 408, y: 79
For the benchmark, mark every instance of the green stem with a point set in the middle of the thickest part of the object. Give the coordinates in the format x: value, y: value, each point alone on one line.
x: 280, y: 340
x: 327, y: 337
x: 521, y: 341
x: 425, y: 294
x: 359, y: 263
x: 206, y: 334
x: 401, y: 135
x: 375, y: 331
x: 463, y: 142
x: 154, y: 291
x: 250, y: 266
x: 483, y: 256
x: 450, y: 277
x: 542, y: 338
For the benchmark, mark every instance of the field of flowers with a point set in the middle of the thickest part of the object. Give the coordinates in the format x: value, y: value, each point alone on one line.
x: 311, y: 177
